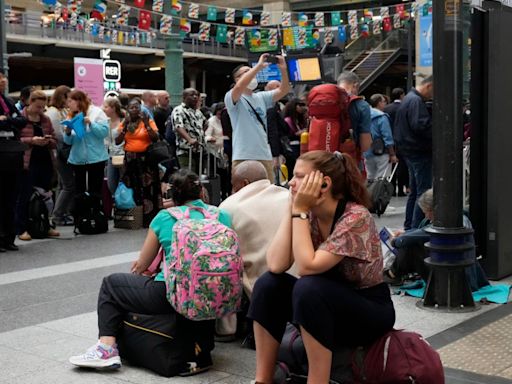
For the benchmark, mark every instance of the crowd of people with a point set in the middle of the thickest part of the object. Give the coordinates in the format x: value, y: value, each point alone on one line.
x: 311, y: 254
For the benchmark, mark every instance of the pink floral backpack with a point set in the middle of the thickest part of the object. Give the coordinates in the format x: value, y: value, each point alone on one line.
x: 204, y: 278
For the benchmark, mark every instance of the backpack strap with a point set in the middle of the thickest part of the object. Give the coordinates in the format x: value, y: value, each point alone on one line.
x: 177, y: 213
x: 207, y: 213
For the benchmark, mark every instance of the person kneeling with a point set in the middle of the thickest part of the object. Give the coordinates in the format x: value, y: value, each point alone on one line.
x: 340, y: 300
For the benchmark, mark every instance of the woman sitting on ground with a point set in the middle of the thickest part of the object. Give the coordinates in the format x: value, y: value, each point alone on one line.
x: 138, y: 131
x: 340, y: 300
x: 136, y: 292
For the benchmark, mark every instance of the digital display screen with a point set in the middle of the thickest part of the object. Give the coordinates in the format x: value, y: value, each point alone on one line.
x: 304, y: 69
x: 267, y: 74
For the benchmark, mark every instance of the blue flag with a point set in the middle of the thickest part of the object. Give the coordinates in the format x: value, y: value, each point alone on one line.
x: 76, y: 124
x: 342, y: 34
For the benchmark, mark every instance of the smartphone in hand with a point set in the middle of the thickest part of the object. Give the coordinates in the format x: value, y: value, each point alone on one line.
x: 272, y: 59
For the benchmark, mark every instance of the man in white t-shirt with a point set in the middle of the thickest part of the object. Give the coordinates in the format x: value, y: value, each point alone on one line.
x: 248, y: 113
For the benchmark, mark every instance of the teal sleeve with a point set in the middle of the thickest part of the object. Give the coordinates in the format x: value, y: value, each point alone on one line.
x: 162, y: 226
x: 225, y: 218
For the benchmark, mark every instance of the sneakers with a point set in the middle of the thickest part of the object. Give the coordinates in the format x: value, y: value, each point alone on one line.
x: 25, y: 236
x: 98, y: 356
x: 53, y: 233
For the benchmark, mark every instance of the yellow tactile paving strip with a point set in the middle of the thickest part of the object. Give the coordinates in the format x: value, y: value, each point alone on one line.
x: 487, y: 351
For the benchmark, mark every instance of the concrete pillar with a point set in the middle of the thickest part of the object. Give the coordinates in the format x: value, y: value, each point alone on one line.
x: 276, y: 8
x: 174, y: 67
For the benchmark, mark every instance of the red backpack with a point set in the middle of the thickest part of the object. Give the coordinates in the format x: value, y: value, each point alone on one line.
x: 330, y: 122
x: 399, y: 357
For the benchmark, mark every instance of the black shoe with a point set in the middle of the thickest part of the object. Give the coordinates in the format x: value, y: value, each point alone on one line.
x: 202, y: 363
x: 391, y: 279
x: 12, y: 247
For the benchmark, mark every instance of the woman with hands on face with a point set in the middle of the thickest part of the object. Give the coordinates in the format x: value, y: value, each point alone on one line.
x: 340, y: 299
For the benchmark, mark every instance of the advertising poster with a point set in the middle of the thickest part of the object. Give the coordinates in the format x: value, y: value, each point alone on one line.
x: 425, y: 38
x: 89, y: 78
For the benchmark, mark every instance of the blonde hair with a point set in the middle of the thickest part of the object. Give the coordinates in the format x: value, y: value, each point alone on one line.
x: 37, y: 95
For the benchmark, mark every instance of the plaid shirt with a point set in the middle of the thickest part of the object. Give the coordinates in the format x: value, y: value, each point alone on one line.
x: 192, y: 121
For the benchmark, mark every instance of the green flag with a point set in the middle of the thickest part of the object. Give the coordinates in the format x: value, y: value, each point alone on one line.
x: 335, y: 19
x: 222, y: 33
x: 212, y: 14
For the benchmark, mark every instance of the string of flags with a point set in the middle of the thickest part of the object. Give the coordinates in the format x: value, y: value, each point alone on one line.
x: 254, y: 28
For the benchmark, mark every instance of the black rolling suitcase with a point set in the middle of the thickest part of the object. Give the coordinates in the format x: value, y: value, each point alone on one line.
x: 381, y: 191
x: 210, y: 180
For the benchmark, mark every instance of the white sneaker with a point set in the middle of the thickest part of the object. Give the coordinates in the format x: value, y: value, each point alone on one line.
x: 98, y: 357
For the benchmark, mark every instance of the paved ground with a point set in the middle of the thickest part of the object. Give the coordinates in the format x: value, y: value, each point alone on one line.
x: 48, y: 295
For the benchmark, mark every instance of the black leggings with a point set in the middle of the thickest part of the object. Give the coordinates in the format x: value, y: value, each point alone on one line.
x: 335, y: 314
x: 89, y: 178
x: 121, y: 293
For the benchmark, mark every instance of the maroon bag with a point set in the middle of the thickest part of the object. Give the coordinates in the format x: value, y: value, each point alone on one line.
x: 399, y: 357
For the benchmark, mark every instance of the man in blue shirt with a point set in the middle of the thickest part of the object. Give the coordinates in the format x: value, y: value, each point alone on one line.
x: 248, y: 114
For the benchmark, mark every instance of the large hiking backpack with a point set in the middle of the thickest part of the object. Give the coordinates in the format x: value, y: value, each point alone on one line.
x: 38, y: 223
x: 330, y: 122
x: 204, y: 278
x: 398, y: 357
x: 88, y: 215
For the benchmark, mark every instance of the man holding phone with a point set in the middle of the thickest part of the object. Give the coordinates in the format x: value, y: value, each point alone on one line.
x: 248, y: 113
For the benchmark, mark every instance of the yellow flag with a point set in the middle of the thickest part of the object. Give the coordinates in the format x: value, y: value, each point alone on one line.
x: 288, y: 39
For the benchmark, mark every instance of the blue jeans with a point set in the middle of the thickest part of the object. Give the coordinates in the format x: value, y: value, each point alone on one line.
x: 420, y: 180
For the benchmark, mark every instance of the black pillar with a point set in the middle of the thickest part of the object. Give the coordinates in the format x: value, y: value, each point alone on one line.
x: 447, y: 288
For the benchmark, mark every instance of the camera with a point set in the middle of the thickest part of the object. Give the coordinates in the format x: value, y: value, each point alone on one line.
x: 272, y: 59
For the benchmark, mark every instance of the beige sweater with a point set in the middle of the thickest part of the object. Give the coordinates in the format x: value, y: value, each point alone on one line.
x: 256, y: 211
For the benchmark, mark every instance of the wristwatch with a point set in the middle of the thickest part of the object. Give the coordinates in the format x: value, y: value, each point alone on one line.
x: 301, y: 215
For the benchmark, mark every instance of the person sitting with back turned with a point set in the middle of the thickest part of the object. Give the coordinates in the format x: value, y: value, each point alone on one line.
x: 248, y: 113
x: 256, y: 208
x: 340, y: 300
x: 121, y: 293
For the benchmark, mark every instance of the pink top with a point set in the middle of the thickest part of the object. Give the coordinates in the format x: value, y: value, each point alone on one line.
x: 356, y: 241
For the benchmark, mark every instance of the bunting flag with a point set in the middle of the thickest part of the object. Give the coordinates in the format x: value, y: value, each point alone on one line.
x: 158, y: 6
x: 230, y: 15
x: 365, y: 30
x: 120, y: 38
x: 65, y: 14
x: 101, y: 32
x: 230, y: 35
x: 414, y: 9
x: 286, y: 19
x: 384, y: 12
x: 240, y: 36
x: 139, y: 3
x: 265, y: 19
x: 368, y: 15
x: 386, y: 24
x: 335, y: 19
x: 273, y: 38
x: 315, y: 38
x: 319, y: 19
x: 288, y: 38
x: 166, y: 25
x: 300, y: 37
x: 376, y: 27
x: 247, y: 17
x: 193, y: 11
x: 354, y: 33
x: 176, y: 7
x: 131, y: 38
x: 108, y: 36
x: 254, y: 40
x: 144, y: 20
x: 212, y: 14
x: 184, y: 27
x: 303, y: 20
x: 57, y: 10
x: 342, y: 34
x: 222, y: 33
x: 143, y: 38
x: 99, y: 10
x: 352, y: 18
x: 397, y: 22
x: 329, y: 36
x: 400, y: 9
x: 204, y: 31
x: 122, y: 15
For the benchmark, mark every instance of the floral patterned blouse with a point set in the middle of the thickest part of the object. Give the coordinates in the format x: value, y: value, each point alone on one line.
x: 356, y: 241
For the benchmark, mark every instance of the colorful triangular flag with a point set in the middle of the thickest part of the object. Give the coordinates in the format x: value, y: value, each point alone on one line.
x: 365, y: 30
x: 335, y: 19
x: 212, y: 14
x: 222, y: 33
x: 247, y: 17
x: 122, y: 15
x: 240, y: 36
x: 193, y: 11
x: 397, y: 21
x: 166, y: 25
x: 273, y: 38
x: 376, y: 27
x: 342, y: 34
x: 286, y: 19
x: 288, y: 38
x: 386, y: 24
x: 176, y: 7
x: 230, y: 15
x: 303, y: 19
x: 204, y: 31
x: 184, y: 27
x: 384, y: 12
x: 265, y: 19
x: 352, y: 18
x: 319, y: 19
x: 158, y: 6
x: 144, y: 20
x: 139, y: 3
x: 354, y: 32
